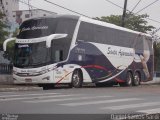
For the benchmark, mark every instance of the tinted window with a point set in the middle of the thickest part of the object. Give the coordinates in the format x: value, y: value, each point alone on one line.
x: 37, y: 28
x: 138, y: 43
x: 86, y: 32
x: 66, y: 26
x: 60, y: 47
x: 29, y: 55
x: 101, y: 34
x: 46, y: 26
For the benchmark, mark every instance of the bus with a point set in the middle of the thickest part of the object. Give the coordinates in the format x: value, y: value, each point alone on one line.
x: 75, y: 50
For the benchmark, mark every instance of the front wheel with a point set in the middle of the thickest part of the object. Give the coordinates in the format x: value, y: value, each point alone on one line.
x: 77, y: 79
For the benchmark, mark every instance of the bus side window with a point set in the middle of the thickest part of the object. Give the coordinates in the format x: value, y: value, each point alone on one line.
x: 58, y: 55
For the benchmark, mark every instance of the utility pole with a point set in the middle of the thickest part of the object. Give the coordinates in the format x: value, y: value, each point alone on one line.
x: 29, y: 8
x: 124, y: 13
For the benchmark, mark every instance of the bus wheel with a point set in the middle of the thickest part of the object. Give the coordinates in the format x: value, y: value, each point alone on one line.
x: 129, y: 80
x: 137, y: 79
x: 77, y: 79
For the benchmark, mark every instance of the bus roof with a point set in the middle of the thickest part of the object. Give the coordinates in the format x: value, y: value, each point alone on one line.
x: 55, y: 16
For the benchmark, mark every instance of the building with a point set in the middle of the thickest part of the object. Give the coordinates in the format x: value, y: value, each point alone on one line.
x: 7, y: 7
x: 22, y: 15
x: 14, y: 16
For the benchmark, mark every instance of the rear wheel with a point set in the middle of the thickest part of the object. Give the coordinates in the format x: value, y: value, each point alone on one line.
x: 129, y: 80
x: 137, y: 79
x: 77, y: 79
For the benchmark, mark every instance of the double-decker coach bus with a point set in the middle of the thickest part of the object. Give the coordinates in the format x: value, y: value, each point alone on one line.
x: 75, y: 50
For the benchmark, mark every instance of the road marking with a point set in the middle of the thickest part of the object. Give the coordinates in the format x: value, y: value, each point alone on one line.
x: 65, y: 99
x: 147, y: 104
x: 100, y: 102
x: 150, y: 111
x: 39, y: 97
x: 3, y: 96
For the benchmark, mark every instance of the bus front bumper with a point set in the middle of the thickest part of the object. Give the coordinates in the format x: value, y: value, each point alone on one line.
x: 44, y: 78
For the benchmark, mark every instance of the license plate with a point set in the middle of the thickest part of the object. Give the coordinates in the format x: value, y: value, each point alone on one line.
x: 28, y: 80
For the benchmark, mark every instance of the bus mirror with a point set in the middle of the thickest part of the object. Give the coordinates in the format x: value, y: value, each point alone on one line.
x: 52, y: 37
x: 5, y: 55
x: 5, y: 43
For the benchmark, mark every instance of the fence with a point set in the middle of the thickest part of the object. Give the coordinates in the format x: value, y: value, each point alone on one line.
x: 157, y: 74
x: 6, y: 68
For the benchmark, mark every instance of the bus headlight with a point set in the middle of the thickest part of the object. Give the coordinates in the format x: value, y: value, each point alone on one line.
x: 14, y: 72
x: 46, y: 78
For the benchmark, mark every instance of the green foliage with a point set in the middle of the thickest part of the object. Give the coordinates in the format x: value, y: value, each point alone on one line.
x: 15, y: 32
x: 134, y: 22
x: 3, y: 32
x: 3, y: 35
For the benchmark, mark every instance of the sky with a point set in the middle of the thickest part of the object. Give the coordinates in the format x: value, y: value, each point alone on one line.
x: 98, y: 8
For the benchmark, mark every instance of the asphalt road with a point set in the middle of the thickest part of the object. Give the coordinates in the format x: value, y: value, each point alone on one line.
x: 144, y: 99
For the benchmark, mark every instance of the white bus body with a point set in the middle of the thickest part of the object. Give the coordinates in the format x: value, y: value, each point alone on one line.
x: 75, y: 50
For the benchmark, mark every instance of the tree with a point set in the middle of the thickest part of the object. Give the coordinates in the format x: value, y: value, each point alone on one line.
x: 3, y: 35
x: 3, y: 32
x: 134, y: 22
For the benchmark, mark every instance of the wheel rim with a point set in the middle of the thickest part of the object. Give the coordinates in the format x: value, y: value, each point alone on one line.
x: 137, y: 78
x: 76, y: 79
x: 129, y: 79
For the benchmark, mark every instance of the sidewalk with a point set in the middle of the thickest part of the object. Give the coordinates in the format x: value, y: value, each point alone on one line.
x: 6, y: 85
x: 156, y: 80
x: 11, y: 87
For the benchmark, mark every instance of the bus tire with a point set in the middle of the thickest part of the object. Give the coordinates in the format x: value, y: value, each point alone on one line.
x: 129, y: 80
x: 137, y: 79
x: 77, y: 79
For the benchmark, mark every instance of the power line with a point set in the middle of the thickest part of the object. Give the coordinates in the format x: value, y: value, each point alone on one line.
x: 136, y: 6
x: 29, y: 7
x: 114, y: 4
x: 36, y: 7
x: 132, y: 12
x: 67, y: 8
x: 147, y: 6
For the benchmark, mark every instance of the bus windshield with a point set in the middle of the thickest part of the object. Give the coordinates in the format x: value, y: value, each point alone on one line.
x: 36, y: 54
x: 37, y: 28
x: 31, y: 55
